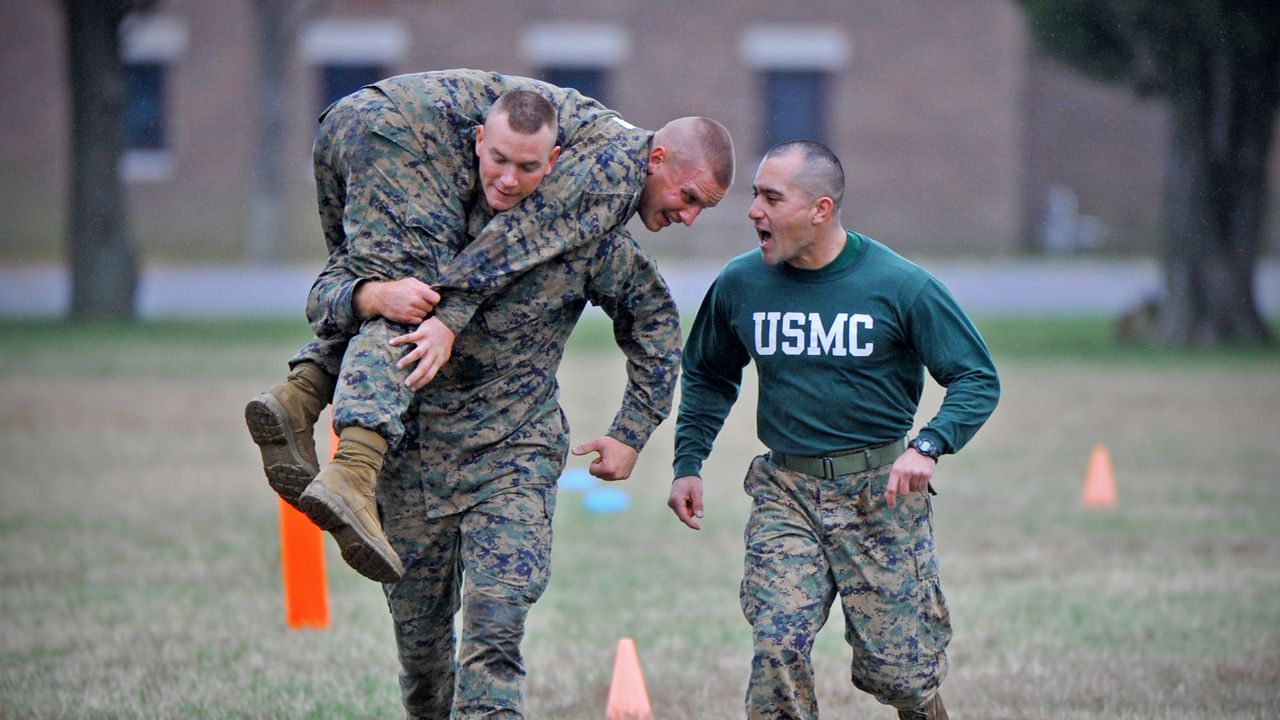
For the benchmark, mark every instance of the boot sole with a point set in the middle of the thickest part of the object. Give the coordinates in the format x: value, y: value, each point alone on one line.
x: 288, y: 473
x: 367, y: 555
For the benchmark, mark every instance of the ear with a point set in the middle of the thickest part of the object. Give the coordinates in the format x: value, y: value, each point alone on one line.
x: 657, y: 156
x: 479, y: 137
x: 551, y: 160
x: 821, y: 210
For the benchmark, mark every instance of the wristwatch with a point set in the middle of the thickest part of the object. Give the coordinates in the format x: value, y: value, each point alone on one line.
x: 927, y: 448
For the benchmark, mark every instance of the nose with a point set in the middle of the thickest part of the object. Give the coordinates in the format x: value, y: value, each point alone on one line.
x: 507, y: 179
x: 689, y: 214
x: 754, y: 212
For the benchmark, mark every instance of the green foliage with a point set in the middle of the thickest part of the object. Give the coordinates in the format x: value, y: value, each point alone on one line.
x: 1161, y: 46
x: 1084, y: 35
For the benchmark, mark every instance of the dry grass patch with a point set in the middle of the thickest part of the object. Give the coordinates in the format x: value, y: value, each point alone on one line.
x: 139, y: 562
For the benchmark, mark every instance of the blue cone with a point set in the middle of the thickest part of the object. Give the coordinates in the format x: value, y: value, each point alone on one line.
x: 606, y: 500
x: 576, y: 480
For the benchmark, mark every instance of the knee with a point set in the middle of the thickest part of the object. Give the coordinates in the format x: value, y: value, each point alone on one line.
x: 377, y: 330
x: 905, y: 687
x: 493, y: 625
x: 422, y: 615
x: 785, y: 638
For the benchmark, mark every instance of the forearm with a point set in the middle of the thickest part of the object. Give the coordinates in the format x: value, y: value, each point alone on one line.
x: 958, y: 359
x: 330, y: 304
x: 969, y: 402
x: 651, y: 342
x: 646, y: 327
x: 702, y: 415
x: 580, y: 202
x: 713, y: 363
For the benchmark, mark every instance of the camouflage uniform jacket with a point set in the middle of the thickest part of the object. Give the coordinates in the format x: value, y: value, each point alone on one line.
x: 594, y: 187
x: 491, y: 419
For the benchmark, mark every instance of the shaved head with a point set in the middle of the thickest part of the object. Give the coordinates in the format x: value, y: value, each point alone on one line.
x: 822, y: 175
x: 699, y: 141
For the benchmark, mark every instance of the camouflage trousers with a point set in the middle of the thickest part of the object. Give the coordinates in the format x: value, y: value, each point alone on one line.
x: 370, y: 392
x: 492, y: 560
x: 388, y: 202
x: 810, y: 540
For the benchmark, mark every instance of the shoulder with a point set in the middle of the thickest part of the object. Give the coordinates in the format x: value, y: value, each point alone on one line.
x: 607, y: 152
x: 746, y: 266
x: 887, y: 265
x: 915, y: 287
x: 615, y: 260
x: 742, y: 276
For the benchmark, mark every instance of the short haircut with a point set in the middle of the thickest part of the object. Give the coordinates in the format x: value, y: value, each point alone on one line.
x: 701, y: 140
x: 527, y: 112
x: 823, y: 175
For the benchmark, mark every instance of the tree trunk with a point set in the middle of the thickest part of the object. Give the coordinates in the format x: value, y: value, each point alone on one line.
x: 1215, y: 203
x: 104, y: 268
x: 265, y: 243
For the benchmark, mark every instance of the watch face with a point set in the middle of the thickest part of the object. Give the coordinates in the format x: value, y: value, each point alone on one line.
x: 926, y: 447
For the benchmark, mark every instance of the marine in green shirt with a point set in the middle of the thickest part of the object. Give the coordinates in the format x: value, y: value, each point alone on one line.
x: 841, y: 330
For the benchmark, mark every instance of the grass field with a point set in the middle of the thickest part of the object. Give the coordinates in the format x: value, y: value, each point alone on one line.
x: 140, y: 569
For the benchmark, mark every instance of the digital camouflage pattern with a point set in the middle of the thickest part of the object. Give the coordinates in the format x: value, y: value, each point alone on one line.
x: 505, y: 544
x: 810, y: 541
x: 396, y: 171
x: 486, y: 440
x: 498, y: 393
x: 487, y: 436
x: 472, y: 481
x: 593, y: 188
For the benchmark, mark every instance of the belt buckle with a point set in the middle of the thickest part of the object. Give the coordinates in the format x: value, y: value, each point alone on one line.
x: 828, y: 467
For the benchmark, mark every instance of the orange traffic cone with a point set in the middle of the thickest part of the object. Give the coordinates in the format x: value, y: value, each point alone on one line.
x: 628, y: 698
x: 306, y: 596
x: 1100, y: 479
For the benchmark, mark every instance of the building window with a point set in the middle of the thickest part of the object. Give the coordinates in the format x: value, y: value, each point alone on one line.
x: 144, y: 106
x: 339, y: 81
x: 350, y: 53
x: 150, y: 45
x: 795, y: 106
x: 589, y: 81
x: 795, y: 64
x: 576, y: 55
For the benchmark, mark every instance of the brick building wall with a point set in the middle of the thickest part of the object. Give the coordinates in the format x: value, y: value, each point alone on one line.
x: 951, y: 129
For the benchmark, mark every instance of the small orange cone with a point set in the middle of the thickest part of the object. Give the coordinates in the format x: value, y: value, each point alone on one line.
x: 1100, y: 479
x: 306, y: 596
x: 628, y: 698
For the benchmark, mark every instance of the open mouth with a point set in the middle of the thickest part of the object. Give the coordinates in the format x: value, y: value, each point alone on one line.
x: 764, y: 235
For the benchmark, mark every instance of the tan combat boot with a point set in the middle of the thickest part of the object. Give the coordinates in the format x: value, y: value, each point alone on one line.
x: 341, y: 500
x: 282, y: 422
x: 931, y: 710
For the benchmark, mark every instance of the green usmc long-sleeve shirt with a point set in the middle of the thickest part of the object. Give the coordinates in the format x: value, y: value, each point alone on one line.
x: 840, y: 353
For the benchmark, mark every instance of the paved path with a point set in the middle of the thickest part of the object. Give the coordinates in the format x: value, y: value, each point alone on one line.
x: 1006, y: 287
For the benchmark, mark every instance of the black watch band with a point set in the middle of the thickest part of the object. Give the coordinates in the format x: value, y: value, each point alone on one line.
x: 927, y: 448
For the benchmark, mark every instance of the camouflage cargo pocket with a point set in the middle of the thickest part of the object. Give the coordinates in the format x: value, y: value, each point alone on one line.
x: 508, y: 540
x: 899, y: 616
